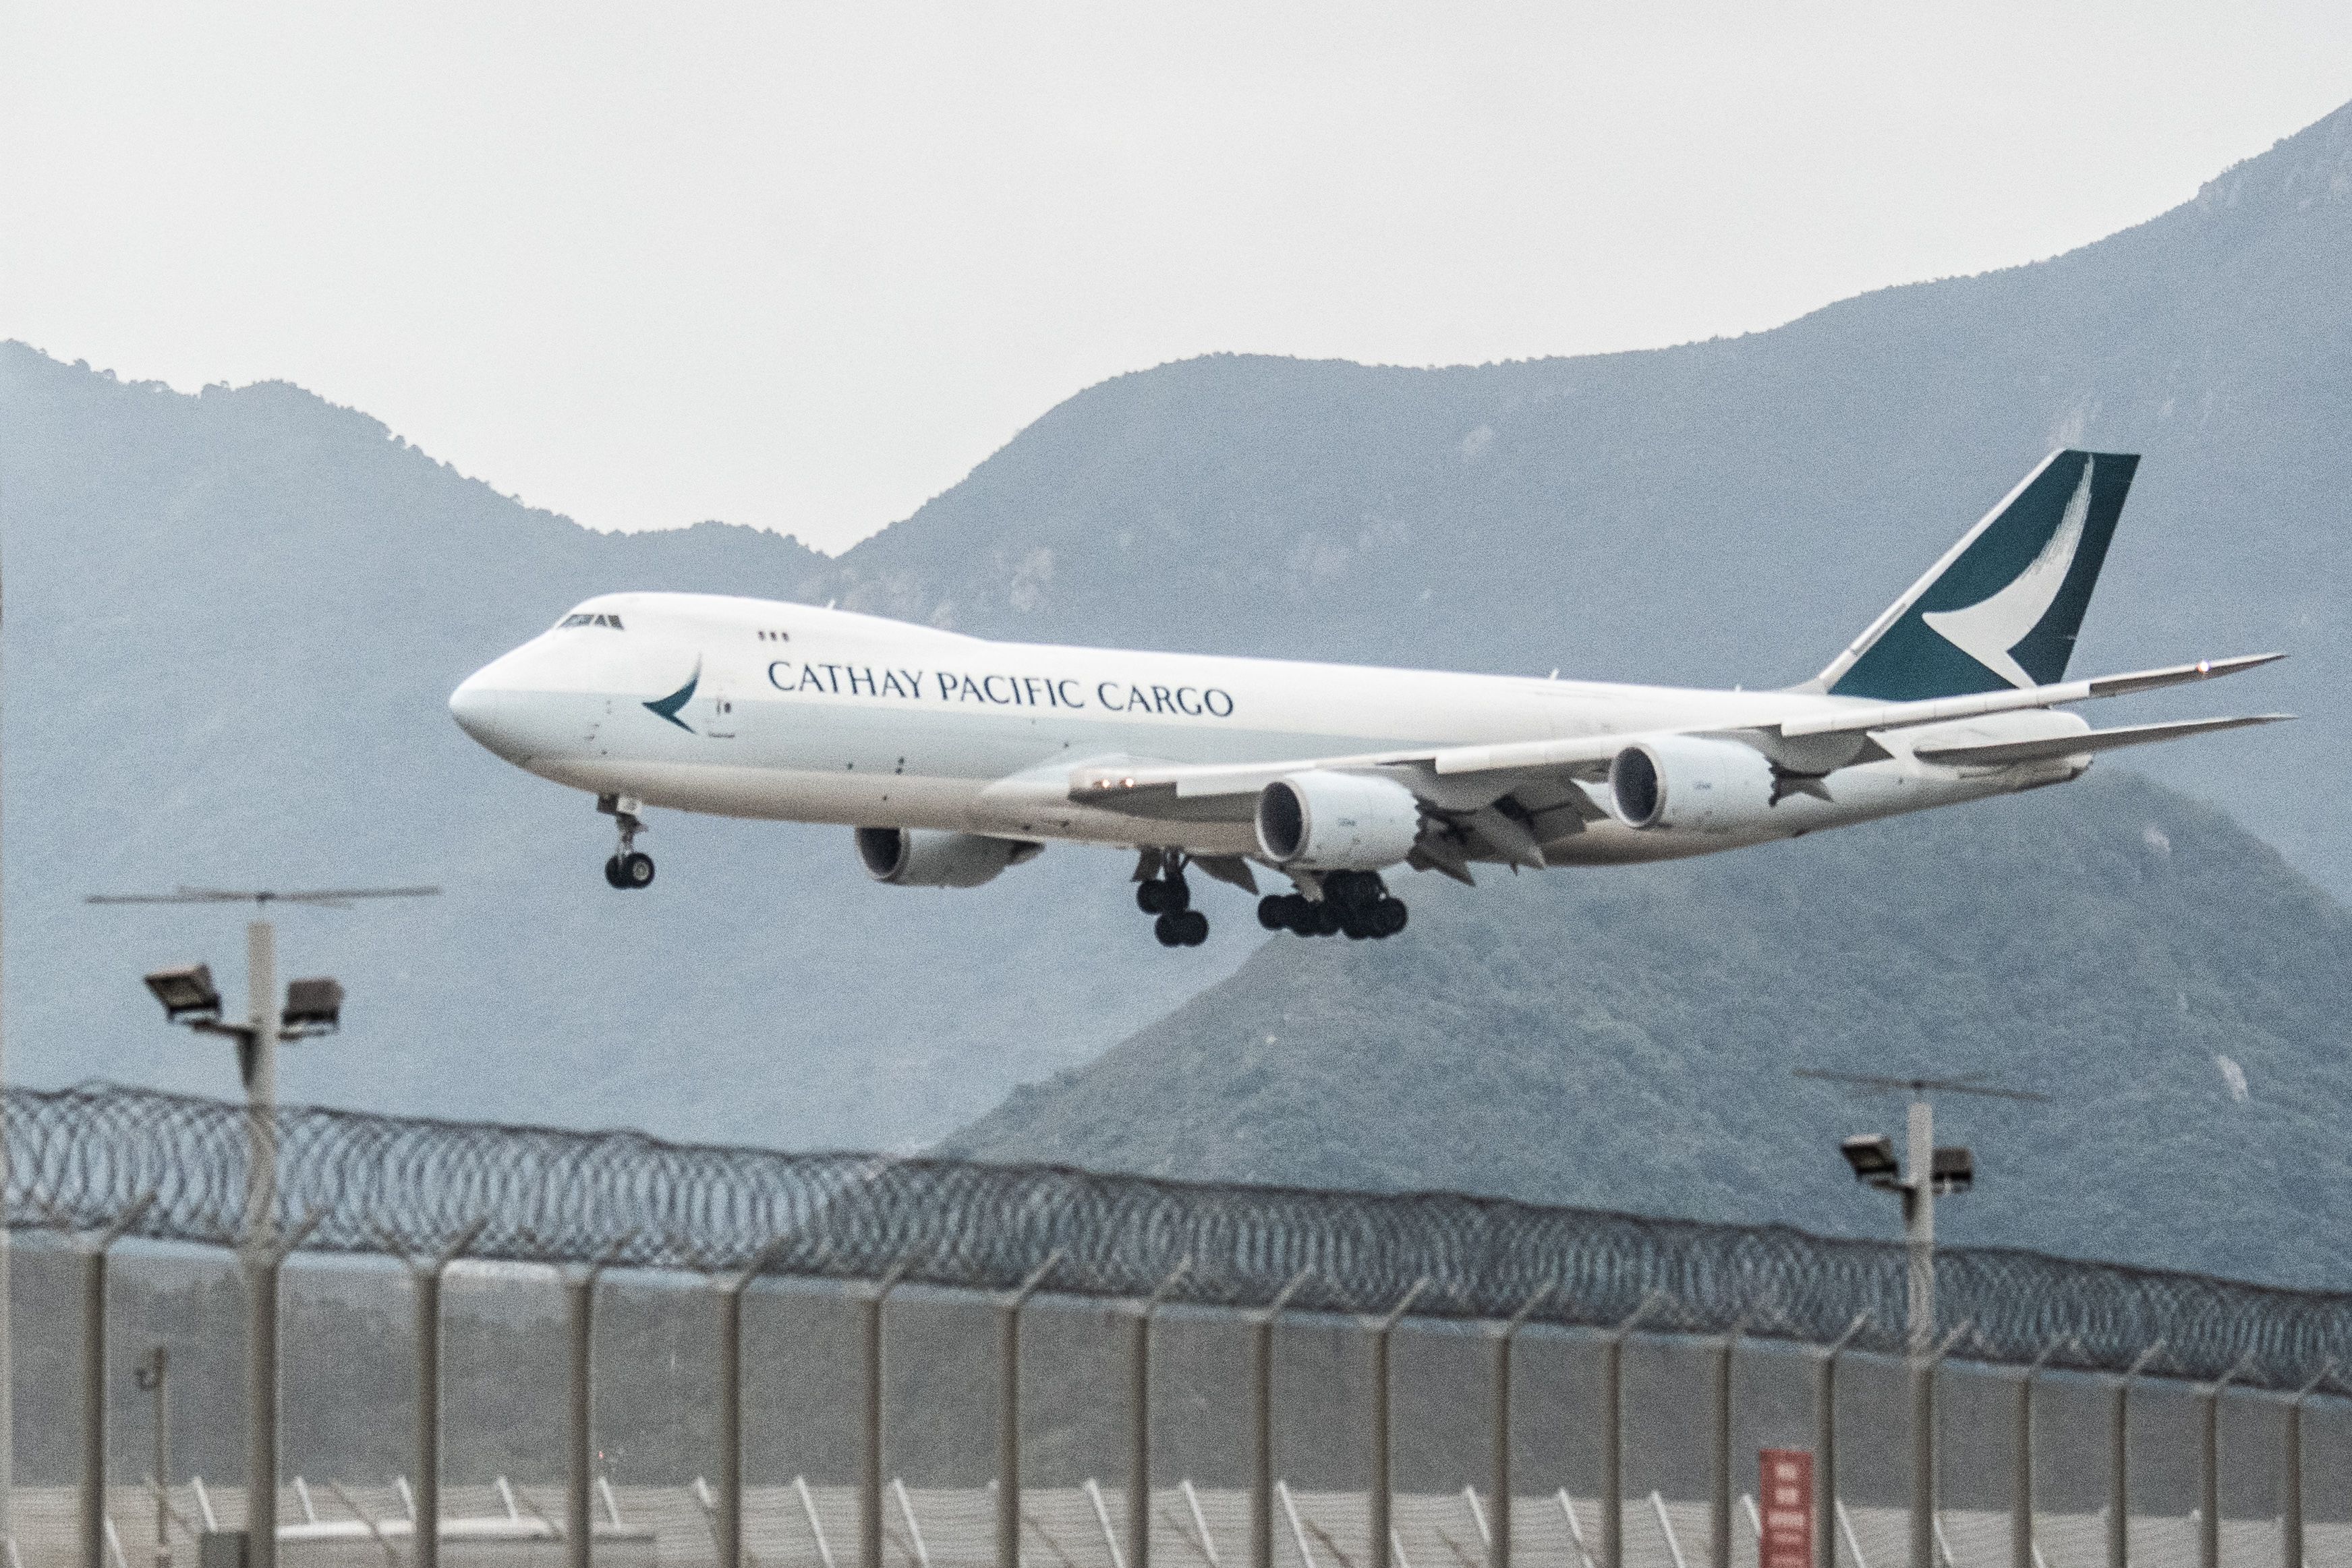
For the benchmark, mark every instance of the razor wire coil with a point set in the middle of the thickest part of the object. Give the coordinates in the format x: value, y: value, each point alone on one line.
x: 81, y: 1158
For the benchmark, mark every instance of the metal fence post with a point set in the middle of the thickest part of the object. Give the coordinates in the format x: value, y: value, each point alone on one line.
x: 2291, y: 1527
x: 1383, y: 1474
x: 869, y: 1446
x: 265, y: 1265
x: 1138, y: 1420
x: 580, y: 1435
x: 2020, y: 1481
x: 1008, y: 1413
x: 2119, y: 1461
x: 2209, y: 1467
x: 261, y: 1274
x: 730, y: 1403
x: 1261, y: 1504
x: 1719, y: 1502
x: 579, y: 1316
x: 1825, y: 1493
x: 1924, y: 1368
x: 93, y: 1382
x: 425, y: 1286
x: 1498, y: 1545
x: 1921, y: 1374
x: 1612, y: 1438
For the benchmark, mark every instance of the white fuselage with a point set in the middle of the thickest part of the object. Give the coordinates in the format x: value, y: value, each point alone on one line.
x: 821, y: 715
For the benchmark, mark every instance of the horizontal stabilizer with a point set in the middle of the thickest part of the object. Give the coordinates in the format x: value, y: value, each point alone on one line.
x: 1896, y: 716
x: 2000, y: 754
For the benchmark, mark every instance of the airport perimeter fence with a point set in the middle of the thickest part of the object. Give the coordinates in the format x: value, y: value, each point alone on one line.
x: 946, y: 1364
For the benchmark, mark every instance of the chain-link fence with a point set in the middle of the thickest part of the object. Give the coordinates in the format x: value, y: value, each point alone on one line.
x: 601, y: 1344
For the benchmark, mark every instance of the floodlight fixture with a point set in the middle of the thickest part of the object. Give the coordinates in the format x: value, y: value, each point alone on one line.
x: 186, y: 991
x: 1871, y: 1155
x: 1954, y: 1170
x: 313, y: 1007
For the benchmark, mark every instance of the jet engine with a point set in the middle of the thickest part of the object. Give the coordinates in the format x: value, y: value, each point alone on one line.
x: 1323, y: 820
x: 928, y: 857
x: 1688, y: 782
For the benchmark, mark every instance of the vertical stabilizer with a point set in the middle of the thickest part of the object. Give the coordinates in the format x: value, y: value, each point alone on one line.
x: 2003, y: 606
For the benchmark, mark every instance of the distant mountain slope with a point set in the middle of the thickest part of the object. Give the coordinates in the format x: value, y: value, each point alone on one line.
x: 1626, y: 1040
x: 1734, y: 510
x: 234, y: 619
x: 234, y: 622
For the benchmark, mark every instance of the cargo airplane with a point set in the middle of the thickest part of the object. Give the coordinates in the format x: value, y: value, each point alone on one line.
x: 955, y: 757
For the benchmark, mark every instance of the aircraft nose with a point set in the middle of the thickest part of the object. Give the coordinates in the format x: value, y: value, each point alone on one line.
x: 475, y: 706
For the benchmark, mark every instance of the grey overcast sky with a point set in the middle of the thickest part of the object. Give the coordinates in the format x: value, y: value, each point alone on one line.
x: 803, y: 266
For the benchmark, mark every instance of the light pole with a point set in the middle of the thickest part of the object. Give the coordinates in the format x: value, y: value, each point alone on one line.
x: 312, y: 1007
x: 1923, y: 1172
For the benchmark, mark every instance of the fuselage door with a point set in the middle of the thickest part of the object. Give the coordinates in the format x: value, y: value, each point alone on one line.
x: 717, y: 708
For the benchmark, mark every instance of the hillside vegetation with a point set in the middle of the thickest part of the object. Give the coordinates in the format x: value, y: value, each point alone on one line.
x: 1626, y: 1038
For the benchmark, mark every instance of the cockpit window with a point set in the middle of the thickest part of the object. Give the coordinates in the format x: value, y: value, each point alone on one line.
x: 586, y: 620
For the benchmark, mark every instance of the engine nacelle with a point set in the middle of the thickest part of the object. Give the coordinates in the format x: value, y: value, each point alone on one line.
x: 1322, y: 820
x: 928, y: 857
x: 1697, y: 785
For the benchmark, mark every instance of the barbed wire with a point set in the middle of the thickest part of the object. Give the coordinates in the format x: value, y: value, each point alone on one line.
x: 81, y: 1158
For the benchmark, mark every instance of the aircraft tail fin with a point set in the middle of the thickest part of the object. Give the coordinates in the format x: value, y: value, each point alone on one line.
x: 2002, y: 608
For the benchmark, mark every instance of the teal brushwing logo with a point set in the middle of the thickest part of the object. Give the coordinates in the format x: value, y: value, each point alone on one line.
x: 2002, y: 611
x: 670, y: 706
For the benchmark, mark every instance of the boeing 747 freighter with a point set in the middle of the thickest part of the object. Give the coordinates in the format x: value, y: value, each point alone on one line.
x: 955, y: 757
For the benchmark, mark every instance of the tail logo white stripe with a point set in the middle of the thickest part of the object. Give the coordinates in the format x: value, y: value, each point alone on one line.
x: 1990, y: 629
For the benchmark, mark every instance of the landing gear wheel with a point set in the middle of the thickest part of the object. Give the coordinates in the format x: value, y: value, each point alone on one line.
x: 1327, y: 919
x: 1182, y: 928
x: 626, y: 869
x: 1388, y: 917
x: 1290, y: 912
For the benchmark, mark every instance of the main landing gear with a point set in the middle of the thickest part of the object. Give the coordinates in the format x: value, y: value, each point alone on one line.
x: 1355, y: 904
x: 630, y: 867
x: 1169, y: 897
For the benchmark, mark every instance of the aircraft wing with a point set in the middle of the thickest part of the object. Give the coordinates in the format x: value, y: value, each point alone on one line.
x: 1519, y: 795
x: 1128, y: 784
x: 1147, y: 787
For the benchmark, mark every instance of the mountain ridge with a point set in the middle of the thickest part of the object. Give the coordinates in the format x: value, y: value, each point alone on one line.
x: 238, y: 613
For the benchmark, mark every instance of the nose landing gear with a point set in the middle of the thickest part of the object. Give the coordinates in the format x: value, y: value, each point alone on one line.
x: 629, y: 868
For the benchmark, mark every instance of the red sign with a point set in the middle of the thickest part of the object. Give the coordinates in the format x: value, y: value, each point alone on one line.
x: 1785, y: 1503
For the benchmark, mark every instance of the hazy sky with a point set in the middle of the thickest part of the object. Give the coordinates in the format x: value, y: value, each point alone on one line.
x: 803, y: 267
